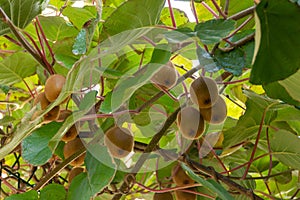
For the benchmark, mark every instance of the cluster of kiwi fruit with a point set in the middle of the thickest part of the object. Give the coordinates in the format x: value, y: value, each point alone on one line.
x: 210, y: 107
x: 53, y: 87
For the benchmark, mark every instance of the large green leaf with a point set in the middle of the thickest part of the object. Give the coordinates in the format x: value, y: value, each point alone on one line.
x: 213, y: 31
x: 30, y: 195
x: 276, y: 58
x: 15, y: 68
x: 98, y: 175
x: 232, y: 61
x: 79, y: 16
x: 35, y: 148
x: 210, y: 184
x: 21, y: 12
x: 53, y: 191
x: 285, y: 147
x: 133, y: 14
x: 56, y: 28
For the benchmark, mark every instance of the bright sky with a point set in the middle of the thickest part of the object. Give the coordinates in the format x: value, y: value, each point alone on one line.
x: 184, y: 6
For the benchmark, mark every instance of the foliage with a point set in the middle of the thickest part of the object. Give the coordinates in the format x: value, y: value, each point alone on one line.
x: 109, y: 51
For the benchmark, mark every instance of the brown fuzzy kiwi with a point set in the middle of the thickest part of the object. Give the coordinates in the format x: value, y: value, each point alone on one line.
x: 184, y: 195
x: 63, y: 115
x: 72, y: 147
x: 180, y: 178
x: 163, y: 196
x: 53, y: 86
x: 53, y: 113
x: 190, y: 123
x: 72, y: 132
x: 74, y: 172
x: 119, y: 141
x: 217, y: 113
x: 166, y: 77
x: 204, y: 92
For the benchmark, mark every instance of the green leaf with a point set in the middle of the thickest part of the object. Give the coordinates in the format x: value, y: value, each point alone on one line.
x: 63, y: 52
x: 127, y: 86
x: 180, y: 17
x: 6, y: 120
x: 232, y: 61
x: 213, y: 31
x: 53, y: 191
x: 206, y: 60
x: 56, y: 28
x: 285, y: 147
x: 30, y: 195
x: 133, y: 14
x: 35, y: 148
x: 15, y: 68
x: 274, y: 57
x: 209, y: 184
x: 161, y: 54
x: 79, y: 16
x: 21, y: 12
x: 84, y: 38
x: 88, y: 101
x: 248, y: 124
x: 85, y: 185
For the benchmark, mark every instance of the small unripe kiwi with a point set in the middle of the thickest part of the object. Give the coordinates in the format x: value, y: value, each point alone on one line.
x: 53, y: 113
x: 184, y: 195
x: 190, y: 123
x: 72, y: 147
x: 53, y: 86
x: 180, y: 178
x: 217, y: 113
x: 204, y: 92
x: 163, y: 196
x: 74, y: 172
x: 166, y: 77
x: 119, y: 141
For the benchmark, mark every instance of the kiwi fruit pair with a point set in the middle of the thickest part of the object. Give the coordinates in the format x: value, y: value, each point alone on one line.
x: 119, y: 141
x: 204, y: 93
x: 53, y: 87
x: 166, y: 77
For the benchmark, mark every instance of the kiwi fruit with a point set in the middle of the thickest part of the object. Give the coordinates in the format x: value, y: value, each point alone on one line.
x: 119, y: 141
x: 72, y: 147
x: 163, y: 196
x: 180, y: 178
x: 53, y: 113
x: 217, y: 113
x: 166, y: 77
x: 180, y: 195
x: 190, y: 123
x: 63, y: 115
x: 204, y: 92
x: 72, y: 132
x: 53, y: 86
x: 74, y: 172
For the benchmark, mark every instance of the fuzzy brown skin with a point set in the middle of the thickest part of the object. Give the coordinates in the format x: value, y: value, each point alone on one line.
x: 217, y: 113
x: 53, y: 86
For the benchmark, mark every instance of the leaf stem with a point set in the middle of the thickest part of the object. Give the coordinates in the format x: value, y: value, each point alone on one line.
x: 219, y: 9
x: 210, y: 10
x: 243, y: 13
x: 172, y: 14
x: 194, y: 11
x: 30, y: 91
